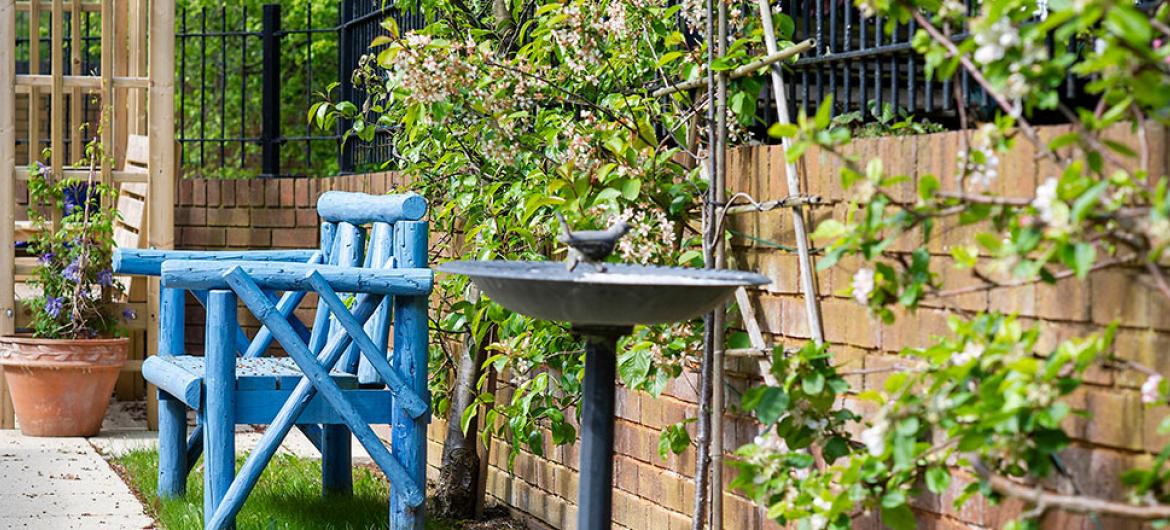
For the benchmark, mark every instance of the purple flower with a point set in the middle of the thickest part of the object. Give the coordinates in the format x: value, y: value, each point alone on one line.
x: 53, y: 305
x: 46, y: 258
x: 105, y: 278
x: 129, y: 314
x: 72, y: 271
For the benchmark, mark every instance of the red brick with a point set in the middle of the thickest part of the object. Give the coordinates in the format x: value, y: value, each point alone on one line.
x: 294, y: 238
x: 213, y: 192
x: 287, y: 196
x: 190, y: 216
x: 199, y: 192
x: 1119, y: 294
x: 206, y: 237
x: 268, y: 217
x: 186, y: 195
x: 307, y: 217
x: 244, y: 195
x: 254, y: 238
x: 302, y: 192
x: 227, y: 193
x: 227, y: 217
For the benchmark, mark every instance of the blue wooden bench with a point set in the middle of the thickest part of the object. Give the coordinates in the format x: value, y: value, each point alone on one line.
x: 341, y: 375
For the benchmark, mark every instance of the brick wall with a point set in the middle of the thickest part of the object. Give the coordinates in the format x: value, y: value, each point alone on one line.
x: 655, y: 493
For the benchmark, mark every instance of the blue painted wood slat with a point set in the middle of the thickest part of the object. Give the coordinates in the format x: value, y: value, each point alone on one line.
x: 146, y: 262
x: 360, y: 208
x: 219, y: 447
x: 410, y: 357
x: 294, y: 277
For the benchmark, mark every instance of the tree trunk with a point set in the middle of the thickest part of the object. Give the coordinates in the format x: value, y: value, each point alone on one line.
x: 457, y: 493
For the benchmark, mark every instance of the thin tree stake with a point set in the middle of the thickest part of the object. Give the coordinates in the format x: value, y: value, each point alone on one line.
x: 807, y: 283
x: 702, y: 457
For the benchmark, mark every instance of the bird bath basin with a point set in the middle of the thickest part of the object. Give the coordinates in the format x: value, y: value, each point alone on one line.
x: 622, y: 295
x: 602, y: 302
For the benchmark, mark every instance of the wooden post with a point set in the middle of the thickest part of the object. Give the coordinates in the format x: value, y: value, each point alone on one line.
x: 34, y: 93
x: 161, y: 187
x: 219, y: 447
x: 410, y: 358
x: 57, y: 96
x: 75, y: 94
x: 109, y: 99
x: 7, y: 189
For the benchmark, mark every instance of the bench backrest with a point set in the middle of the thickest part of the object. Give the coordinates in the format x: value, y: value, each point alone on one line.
x: 357, y: 230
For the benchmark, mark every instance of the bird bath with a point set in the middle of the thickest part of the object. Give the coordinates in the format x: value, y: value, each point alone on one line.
x: 602, y: 304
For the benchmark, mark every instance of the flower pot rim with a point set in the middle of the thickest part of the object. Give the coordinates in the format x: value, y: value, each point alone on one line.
x: 26, y: 351
x: 24, y: 338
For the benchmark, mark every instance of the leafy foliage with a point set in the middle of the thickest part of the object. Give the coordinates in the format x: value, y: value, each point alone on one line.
x: 507, y: 115
x: 73, y: 269
x: 982, y: 399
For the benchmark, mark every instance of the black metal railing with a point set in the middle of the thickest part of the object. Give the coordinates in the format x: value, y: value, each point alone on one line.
x: 244, y: 82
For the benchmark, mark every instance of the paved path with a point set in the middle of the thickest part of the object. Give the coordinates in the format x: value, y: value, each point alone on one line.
x: 58, y: 483
x: 65, y: 483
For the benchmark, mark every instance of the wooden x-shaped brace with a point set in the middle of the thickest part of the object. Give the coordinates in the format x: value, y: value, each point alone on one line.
x: 317, y: 379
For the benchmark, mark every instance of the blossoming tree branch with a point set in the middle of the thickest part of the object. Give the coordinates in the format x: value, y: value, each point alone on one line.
x: 506, y: 111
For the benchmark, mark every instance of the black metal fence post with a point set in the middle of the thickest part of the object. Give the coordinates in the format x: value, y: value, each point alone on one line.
x: 270, y: 93
x: 347, y: 63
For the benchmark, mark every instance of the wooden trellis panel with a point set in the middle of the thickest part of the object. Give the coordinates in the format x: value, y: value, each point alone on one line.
x: 136, y: 69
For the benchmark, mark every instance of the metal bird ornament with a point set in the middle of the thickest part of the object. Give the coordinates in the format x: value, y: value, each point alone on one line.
x: 590, y: 246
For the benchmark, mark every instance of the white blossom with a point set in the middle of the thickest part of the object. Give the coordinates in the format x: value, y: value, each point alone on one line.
x: 874, y: 437
x: 972, y: 351
x: 1151, y: 391
x: 818, y: 521
x: 862, y: 285
x: 994, y: 40
x: 1046, y: 200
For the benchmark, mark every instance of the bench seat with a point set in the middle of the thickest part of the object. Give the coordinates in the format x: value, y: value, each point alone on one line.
x: 182, y: 375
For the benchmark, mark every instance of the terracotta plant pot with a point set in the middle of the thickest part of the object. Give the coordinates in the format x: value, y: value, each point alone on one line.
x: 61, y: 387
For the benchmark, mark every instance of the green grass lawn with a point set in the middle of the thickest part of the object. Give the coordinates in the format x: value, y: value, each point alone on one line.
x: 288, y: 495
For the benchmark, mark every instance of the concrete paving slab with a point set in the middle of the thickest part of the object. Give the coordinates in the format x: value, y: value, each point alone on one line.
x: 62, y: 483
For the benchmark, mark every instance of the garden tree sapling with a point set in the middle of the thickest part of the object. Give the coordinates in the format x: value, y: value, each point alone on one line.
x: 504, y: 120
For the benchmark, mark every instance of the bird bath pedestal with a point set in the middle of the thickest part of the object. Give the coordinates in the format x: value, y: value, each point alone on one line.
x: 602, y: 306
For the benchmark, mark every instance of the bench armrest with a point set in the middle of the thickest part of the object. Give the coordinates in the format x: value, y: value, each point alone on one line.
x: 149, y: 262
x: 209, y: 275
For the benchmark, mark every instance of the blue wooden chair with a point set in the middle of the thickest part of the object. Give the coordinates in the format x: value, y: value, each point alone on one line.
x: 338, y: 377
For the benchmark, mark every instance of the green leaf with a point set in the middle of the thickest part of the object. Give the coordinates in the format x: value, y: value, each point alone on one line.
x: 1085, y: 254
x: 938, y: 479
x: 1087, y: 201
x: 813, y: 384
x: 899, y: 517
x: 1130, y: 24
x: 829, y: 229
x: 631, y: 188
x: 835, y: 448
x: 782, y: 130
x: 768, y: 403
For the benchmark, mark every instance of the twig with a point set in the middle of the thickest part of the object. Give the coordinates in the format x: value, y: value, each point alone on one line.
x: 977, y: 75
x: 1044, y: 499
x: 743, y: 71
x: 991, y: 285
x: 985, y: 199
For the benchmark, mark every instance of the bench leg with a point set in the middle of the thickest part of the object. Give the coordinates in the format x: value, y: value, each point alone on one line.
x: 336, y: 460
x: 172, y: 446
x: 219, y: 447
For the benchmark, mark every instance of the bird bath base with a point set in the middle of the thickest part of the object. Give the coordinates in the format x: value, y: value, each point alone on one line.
x: 595, y: 496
